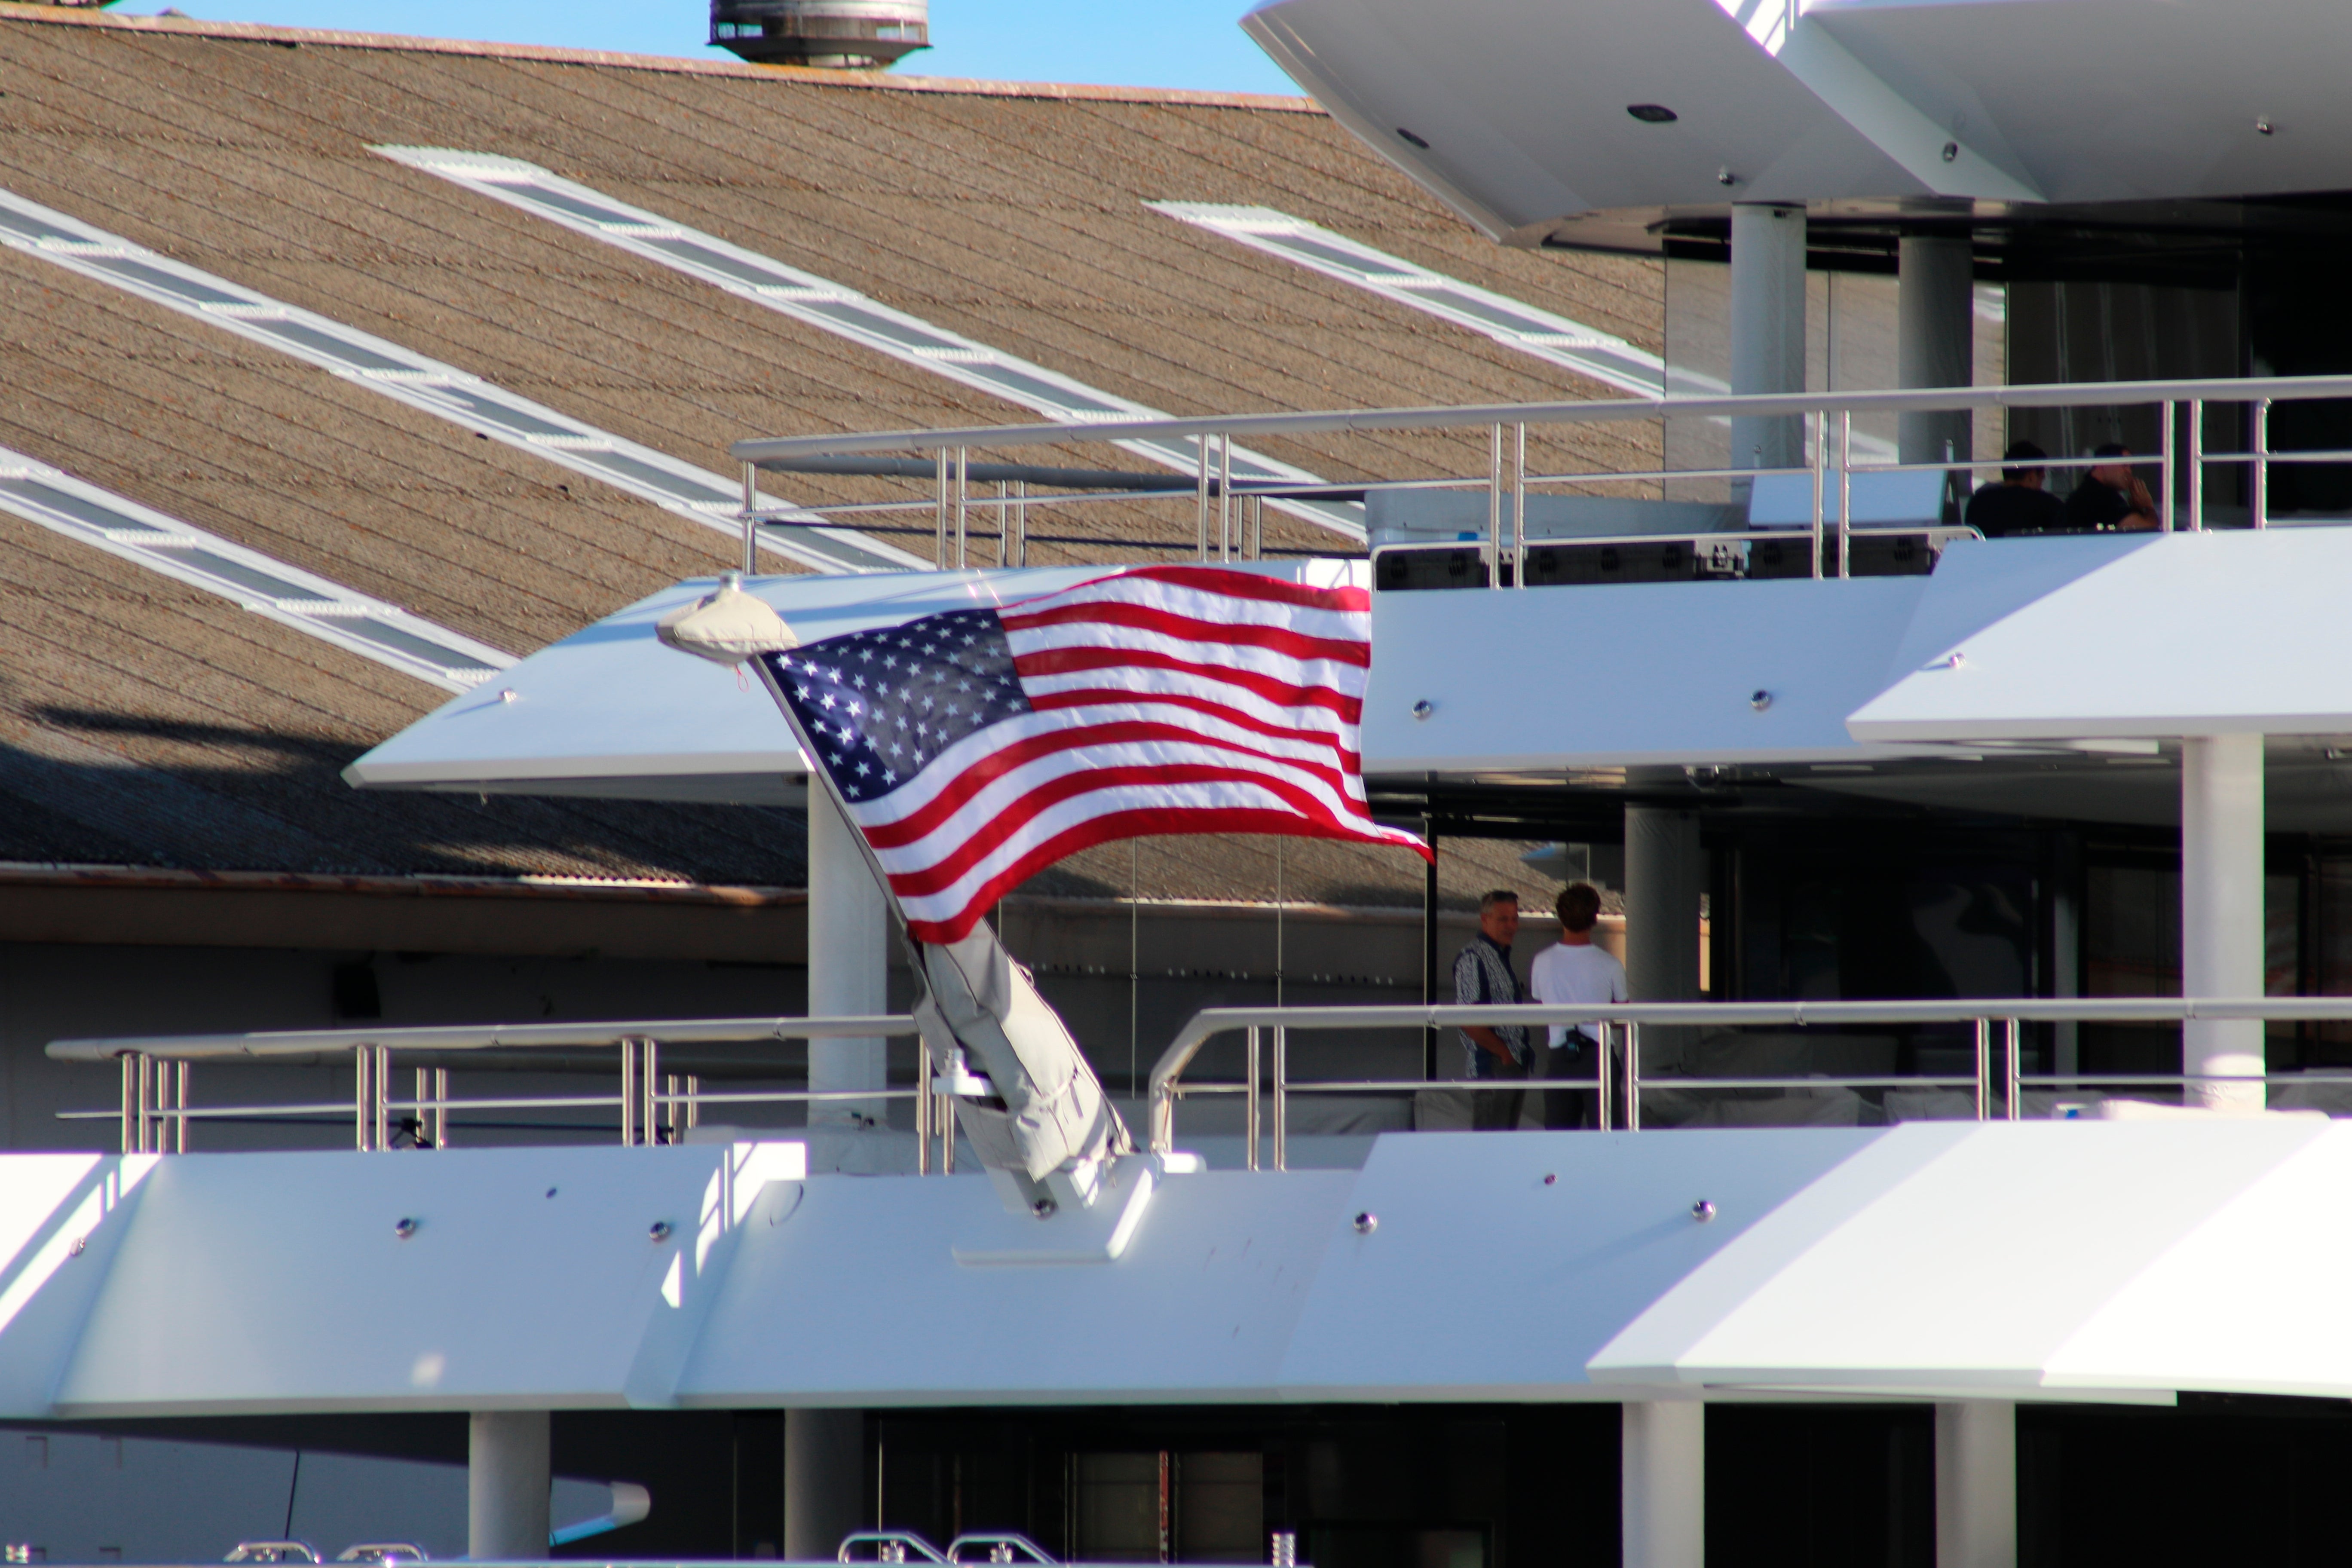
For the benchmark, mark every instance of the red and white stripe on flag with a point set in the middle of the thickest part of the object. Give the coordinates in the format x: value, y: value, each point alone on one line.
x: 1167, y: 699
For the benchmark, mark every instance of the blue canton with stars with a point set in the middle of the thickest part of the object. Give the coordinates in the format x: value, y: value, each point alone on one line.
x: 880, y: 705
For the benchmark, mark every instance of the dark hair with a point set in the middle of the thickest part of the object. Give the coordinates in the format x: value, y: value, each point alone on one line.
x: 1580, y: 906
x: 2021, y: 453
x: 2111, y: 449
x: 1500, y: 896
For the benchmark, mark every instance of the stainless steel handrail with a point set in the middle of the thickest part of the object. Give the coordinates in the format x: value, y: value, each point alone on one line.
x: 1999, y: 1081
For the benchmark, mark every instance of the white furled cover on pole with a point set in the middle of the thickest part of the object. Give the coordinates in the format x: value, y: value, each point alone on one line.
x: 849, y: 965
x: 1936, y: 340
x: 508, y: 1478
x: 2222, y: 914
x: 1664, y: 1481
x: 1767, y: 329
x: 1976, y: 1485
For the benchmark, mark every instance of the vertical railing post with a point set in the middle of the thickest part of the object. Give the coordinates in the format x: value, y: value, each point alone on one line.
x: 2262, y: 462
x: 1519, y: 509
x: 750, y: 520
x: 1249, y: 1101
x: 2196, y: 465
x: 1021, y: 522
x: 362, y: 1063
x: 1820, y: 481
x: 693, y: 1100
x: 130, y: 1108
x: 2164, y: 467
x: 1201, y: 500
x: 380, y: 1097
x: 1632, y: 1077
x: 940, y: 513
x: 962, y: 505
x: 179, y: 1124
x: 1003, y: 517
x: 628, y: 1093
x: 922, y: 1106
x: 1984, y: 1068
x: 1257, y: 528
x: 2013, y: 1054
x: 1281, y: 1097
x: 1495, y: 507
x: 648, y: 1074
x: 1603, y: 1070
x: 1845, y: 490
x: 1227, y: 524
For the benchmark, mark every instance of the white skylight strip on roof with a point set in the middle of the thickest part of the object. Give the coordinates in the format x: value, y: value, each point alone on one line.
x: 287, y: 594
x: 1570, y: 345
x: 439, y: 389
x: 843, y: 312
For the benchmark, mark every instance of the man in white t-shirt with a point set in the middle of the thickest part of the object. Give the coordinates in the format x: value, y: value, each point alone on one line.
x: 1576, y: 970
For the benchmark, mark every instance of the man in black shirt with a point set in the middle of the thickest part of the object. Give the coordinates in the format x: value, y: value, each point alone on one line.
x: 2111, y: 498
x: 2018, y: 503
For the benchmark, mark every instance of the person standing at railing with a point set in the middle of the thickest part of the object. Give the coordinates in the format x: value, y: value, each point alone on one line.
x: 1483, y: 975
x: 2021, y: 502
x: 2111, y: 498
x: 1575, y: 969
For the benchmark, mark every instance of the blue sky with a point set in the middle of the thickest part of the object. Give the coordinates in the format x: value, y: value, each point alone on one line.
x: 1168, y: 43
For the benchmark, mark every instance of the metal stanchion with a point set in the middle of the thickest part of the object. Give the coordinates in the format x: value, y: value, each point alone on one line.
x: 1249, y: 1101
x: 1984, y: 1068
x: 1200, y: 498
x: 2196, y: 465
x: 750, y: 521
x: 962, y: 505
x: 940, y: 513
x: 1519, y: 510
x: 2164, y: 467
x: 1227, y: 525
x: 380, y: 1097
x: 1846, y: 491
x: 1820, y: 481
x: 1495, y: 507
x: 628, y: 1093
x: 2263, y: 462
x: 1281, y: 1098
x: 922, y: 1108
x: 363, y: 1062
x: 180, y: 1127
x: 1603, y: 1070
x: 2013, y: 1052
x: 1632, y: 1077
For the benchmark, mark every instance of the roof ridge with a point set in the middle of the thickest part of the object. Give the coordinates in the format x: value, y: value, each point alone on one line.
x: 263, y: 32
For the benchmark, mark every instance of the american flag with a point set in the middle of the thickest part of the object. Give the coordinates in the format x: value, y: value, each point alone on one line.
x: 977, y: 747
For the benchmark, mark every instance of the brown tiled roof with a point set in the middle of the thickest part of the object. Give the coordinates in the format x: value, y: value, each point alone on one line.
x: 141, y: 720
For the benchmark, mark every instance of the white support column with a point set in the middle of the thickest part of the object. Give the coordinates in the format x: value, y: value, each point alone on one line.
x: 824, y: 1481
x: 506, y: 1485
x: 1665, y: 872
x: 2221, y: 912
x: 1768, y: 332
x: 1664, y: 1478
x: 1936, y: 338
x: 1976, y: 1485
x: 849, y: 964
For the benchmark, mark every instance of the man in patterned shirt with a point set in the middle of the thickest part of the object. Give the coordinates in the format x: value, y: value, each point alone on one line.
x: 1483, y: 974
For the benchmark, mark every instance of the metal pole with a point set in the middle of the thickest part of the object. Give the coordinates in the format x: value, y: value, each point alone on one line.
x: 940, y: 513
x: 2263, y: 462
x: 649, y: 1120
x: 380, y: 1097
x: 963, y: 505
x: 1820, y: 481
x: 1632, y: 1077
x: 129, y: 1065
x: 1603, y: 1075
x: 750, y: 523
x: 1021, y: 522
x: 628, y: 1091
x: 180, y: 1135
x: 1003, y: 512
x: 1200, y: 498
x: 2196, y: 465
x: 947, y: 1134
x: 693, y: 1100
x: 1281, y: 1098
x: 1257, y: 528
x: 1495, y: 507
x: 1249, y: 1103
x: 360, y: 1062
x: 1227, y: 525
x: 440, y: 1108
x: 922, y: 1108
x: 1845, y: 488
x: 2165, y: 468
x: 1519, y: 510
x: 1984, y: 1067
x: 2014, y: 1056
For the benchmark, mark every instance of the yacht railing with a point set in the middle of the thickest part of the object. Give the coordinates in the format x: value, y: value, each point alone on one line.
x: 1224, y: 531
x: 1999, y: 1081
x: 654, y: 1107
